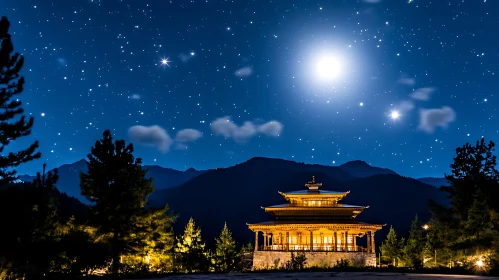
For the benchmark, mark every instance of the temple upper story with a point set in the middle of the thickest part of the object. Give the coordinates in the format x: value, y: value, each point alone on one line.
x: 314, y: 203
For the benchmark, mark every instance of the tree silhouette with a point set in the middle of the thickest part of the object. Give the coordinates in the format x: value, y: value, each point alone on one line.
x: 190, y: 250
x: 391, y: 248
x: 413, y: 249
x: 469, y: 226
x: 116, y: 185
x: 226, y: 255
x: 12, y: 127
x: 156, y: 241
x: 29, y: 244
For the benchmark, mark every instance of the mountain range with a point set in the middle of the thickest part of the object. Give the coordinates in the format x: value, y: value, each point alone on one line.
x: 235, y: 194
x: 69, y: 177
x: 434, y: 181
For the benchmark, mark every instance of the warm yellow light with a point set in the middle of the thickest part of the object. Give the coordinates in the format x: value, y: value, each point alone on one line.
x: 426, y: 227
x: 479, y: 263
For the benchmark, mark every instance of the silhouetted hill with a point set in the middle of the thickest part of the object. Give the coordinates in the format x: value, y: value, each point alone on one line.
x: 68, y: 206
x: 235, y: 194
x: 69, y: 177
x: 434, y: 181
x: 361, y: 169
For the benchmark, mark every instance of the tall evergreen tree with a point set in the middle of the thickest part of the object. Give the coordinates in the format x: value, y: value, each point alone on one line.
x: 190, y: 249
x: 82, y: 249
x: 158, y: 240
x: 479, y: 222
x: 226, y: 255
x: 467, y: 225
x: 12, y: 127
x: 413, y: 250
x: 116, y: 185
x: 391, y: 248
x: 473, y: 169
x: 29, y: 245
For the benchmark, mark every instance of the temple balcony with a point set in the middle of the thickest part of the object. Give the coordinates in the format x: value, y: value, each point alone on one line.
x: 325, y: 247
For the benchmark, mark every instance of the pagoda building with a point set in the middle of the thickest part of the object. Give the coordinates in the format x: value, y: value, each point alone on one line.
x: 313, y: 222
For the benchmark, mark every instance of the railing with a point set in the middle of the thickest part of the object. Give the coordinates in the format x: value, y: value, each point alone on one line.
x: 316, y: 248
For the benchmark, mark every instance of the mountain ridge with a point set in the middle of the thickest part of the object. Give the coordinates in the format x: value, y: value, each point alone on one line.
x: 235, y: 195
x: 69, y: 177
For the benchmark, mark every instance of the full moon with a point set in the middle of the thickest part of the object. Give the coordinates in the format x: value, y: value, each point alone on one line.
x: 328, y: 67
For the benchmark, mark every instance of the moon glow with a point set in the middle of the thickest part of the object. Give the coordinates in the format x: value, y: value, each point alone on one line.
x: 328, y: 67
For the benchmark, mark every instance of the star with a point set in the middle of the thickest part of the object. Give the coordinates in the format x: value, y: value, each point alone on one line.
x: 394, y: 115
x: 165, y: 62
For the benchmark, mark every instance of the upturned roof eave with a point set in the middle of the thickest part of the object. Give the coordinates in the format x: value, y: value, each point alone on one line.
x: 293, y: 207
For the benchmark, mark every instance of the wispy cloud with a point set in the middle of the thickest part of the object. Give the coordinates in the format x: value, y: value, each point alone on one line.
x: 188, y: 135
x: 429, y: 119
x: 422, y: 94
x: 134, y: 96
x: 244, y: 72
x: 226, y: 127
x: 185, y: 57
x: 407, y: 81
x: 156, y: 136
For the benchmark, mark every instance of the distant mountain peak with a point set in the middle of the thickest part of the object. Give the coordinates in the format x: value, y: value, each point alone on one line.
x: 81, y: 161
x: 356, y: 163
x: 360, y: 168
x: 191, y: 170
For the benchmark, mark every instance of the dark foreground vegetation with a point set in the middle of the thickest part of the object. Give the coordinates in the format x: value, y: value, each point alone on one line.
x: 48, y: 234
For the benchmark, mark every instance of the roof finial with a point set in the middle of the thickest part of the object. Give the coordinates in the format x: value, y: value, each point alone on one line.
x: 312, y: 185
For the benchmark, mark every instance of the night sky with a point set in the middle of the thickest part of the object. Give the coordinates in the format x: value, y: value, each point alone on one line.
x: 205, y: 84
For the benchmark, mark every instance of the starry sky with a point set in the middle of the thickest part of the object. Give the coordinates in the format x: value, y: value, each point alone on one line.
x: 205, y: 84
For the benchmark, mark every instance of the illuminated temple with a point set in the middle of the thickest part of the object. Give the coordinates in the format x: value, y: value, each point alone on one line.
x: 313, y: 222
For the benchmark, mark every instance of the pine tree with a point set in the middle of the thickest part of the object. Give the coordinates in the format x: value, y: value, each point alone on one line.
x: 391, y: 248
x: 156, y: 241
x: 190, y: 250
x: 478, y: 226
x: 226, y: 255
x: 82, y: 249
x: 473, y: 169
x: 116, y: 185
x: 11, y: 128
x: 29, y: 244
x: 248, y: 248
x: 467, y: 225
x: 47, y: 222
x: 413, y: 250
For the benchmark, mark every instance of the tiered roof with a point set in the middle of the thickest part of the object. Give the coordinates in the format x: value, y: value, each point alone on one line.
x: 314, y: 204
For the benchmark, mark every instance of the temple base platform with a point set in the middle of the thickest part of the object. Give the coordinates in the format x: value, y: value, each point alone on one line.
x: 278, y: 259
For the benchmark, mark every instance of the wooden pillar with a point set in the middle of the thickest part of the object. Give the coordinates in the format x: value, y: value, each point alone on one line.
x: 299, y: 238
x: 368, y: 235
x: 346, y: 241
x: 265, y: 241
x: 322, y: 241
x: 340, y: 238
x: 373, y: 246
x: 287, y: 240
x: 256, y: 240
x: 335, y: 241
x: 311, y: 241
x: 354, y: 237
x: 281, y: 244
